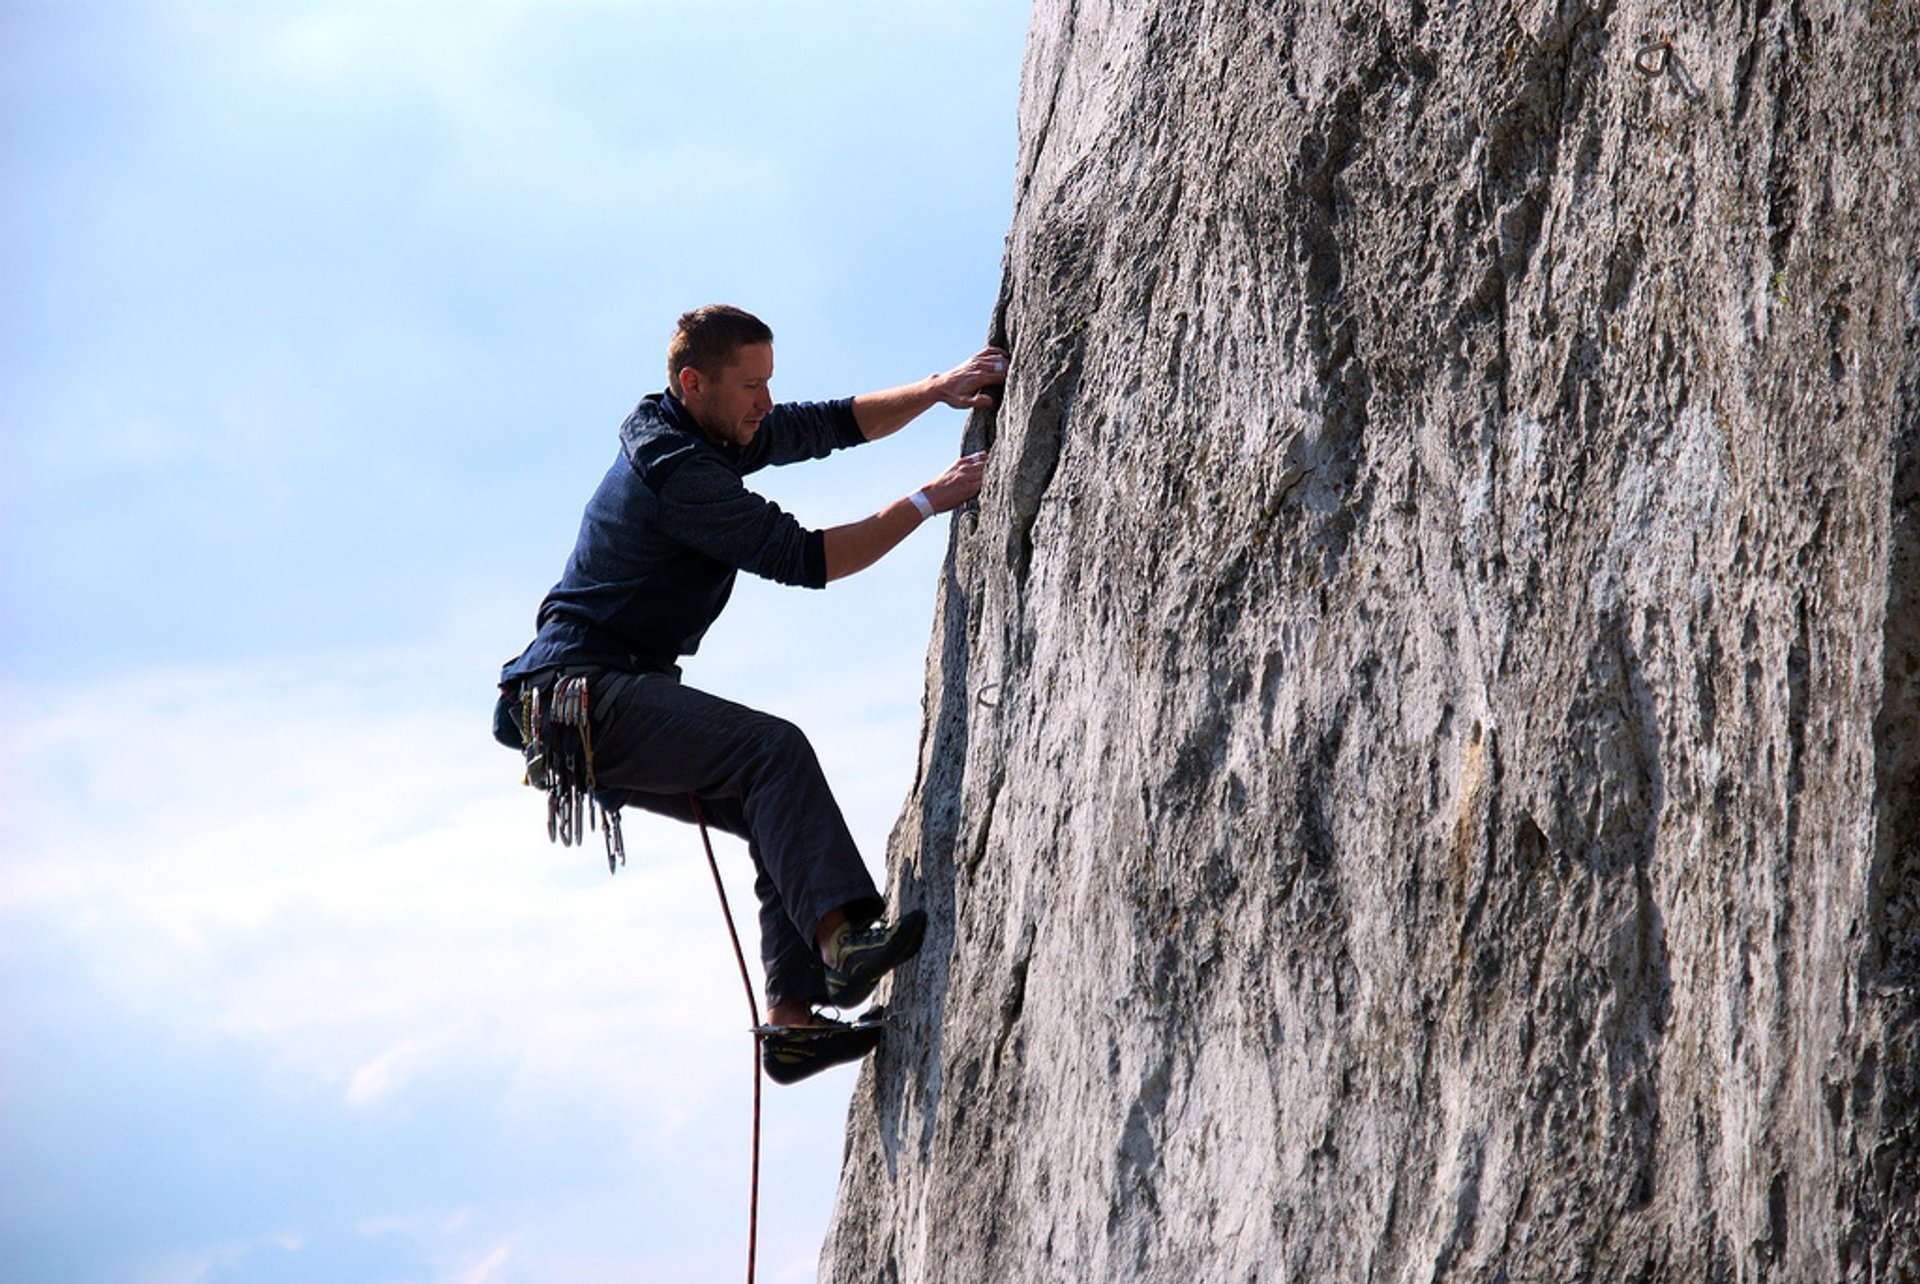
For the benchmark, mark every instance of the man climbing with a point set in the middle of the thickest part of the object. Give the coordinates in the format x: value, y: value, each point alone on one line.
x: 596, y: 702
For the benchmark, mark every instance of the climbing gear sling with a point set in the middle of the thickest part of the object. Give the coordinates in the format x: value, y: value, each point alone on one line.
x: 555, y: 721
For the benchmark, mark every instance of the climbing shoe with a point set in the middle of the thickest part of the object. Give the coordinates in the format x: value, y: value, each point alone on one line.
x: 790, y: 1053
x: 856, y: 960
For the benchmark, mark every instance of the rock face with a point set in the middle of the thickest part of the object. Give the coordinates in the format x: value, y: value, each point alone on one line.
x: 1422, y: 766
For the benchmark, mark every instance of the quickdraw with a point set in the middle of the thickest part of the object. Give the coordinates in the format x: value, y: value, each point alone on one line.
x: 556, y: 724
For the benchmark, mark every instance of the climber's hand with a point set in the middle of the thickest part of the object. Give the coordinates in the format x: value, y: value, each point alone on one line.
x: 958, y: 484
x: 961, y: 386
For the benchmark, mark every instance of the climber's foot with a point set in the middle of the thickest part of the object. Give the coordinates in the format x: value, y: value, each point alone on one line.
x: 790, y: 1053
x: 856, y: 960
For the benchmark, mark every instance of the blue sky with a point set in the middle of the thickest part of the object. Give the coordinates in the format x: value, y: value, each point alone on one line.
x: 318, y: 322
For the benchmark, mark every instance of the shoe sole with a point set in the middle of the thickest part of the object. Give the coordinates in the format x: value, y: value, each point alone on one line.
x: 809, y: 1050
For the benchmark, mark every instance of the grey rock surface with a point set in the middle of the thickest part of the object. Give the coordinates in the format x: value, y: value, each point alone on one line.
x: 1421, y: 776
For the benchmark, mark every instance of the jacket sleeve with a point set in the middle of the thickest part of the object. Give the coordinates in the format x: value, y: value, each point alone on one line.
x: 797, y: 430
x: 704, y: 506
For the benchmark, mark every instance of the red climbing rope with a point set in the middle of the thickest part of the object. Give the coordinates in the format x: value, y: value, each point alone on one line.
x: 753, y: 1020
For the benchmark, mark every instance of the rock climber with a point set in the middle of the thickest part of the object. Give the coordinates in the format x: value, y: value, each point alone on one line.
x: 596, y: 702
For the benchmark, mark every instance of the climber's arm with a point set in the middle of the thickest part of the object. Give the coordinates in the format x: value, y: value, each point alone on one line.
x: 881, y: 413
x: 858, y: 545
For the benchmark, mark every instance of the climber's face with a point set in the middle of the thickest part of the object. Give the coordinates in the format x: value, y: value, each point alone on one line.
x: 729, y: 404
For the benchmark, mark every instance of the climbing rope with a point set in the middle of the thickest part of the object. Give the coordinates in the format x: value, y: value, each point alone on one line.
x: 753, y: 1020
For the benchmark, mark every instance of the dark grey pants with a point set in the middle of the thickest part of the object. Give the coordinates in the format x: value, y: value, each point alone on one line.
x: 656, y: 741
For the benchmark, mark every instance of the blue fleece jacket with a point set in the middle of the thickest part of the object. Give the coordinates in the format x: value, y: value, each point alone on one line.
x: 666, y: 532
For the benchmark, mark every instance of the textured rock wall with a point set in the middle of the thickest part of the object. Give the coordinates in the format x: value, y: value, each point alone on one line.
x: 1422, y: 732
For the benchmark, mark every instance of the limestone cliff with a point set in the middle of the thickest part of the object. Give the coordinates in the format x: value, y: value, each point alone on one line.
x: 1420, y: 773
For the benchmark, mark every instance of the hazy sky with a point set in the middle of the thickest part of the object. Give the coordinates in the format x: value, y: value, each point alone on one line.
x: 318, y: 323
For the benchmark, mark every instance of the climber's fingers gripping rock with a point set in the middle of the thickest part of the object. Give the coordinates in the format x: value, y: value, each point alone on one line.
x: 958, y: 484
x: 961, y: 387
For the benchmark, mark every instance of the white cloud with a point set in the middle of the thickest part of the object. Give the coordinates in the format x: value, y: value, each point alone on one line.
x: 379, y: 1077
x: 347, y: 875
x: 488, y: 1267
x: 325, y: 871
x: 225, y: 1258
x: 325, y: 314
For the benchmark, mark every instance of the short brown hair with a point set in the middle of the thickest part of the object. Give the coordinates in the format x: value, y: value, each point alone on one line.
x: 706, y: 339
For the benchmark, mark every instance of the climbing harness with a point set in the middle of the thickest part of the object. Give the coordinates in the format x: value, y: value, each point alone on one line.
x: 556, y: 726
x: 753, y: 1017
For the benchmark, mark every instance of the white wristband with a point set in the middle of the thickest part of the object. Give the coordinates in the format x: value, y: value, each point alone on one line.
x: 920, y: 501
